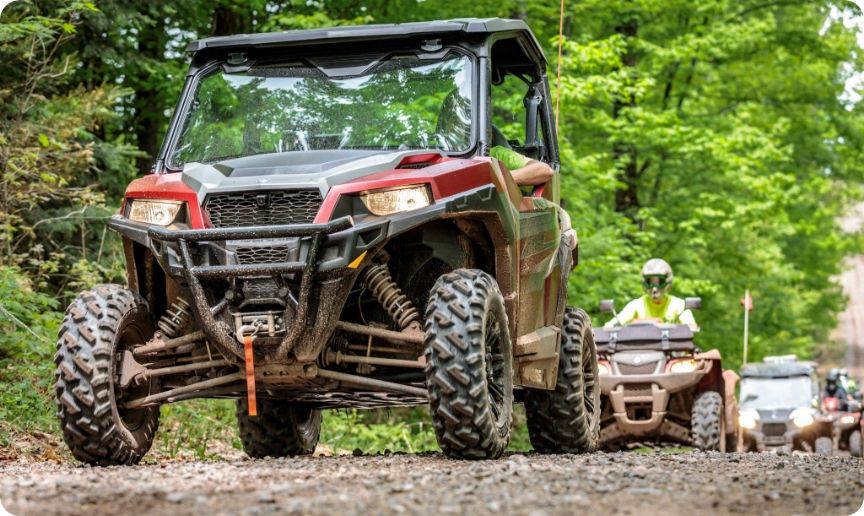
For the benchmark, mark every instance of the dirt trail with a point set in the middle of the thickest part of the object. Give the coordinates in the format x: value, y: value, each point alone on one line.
x: 686, y: 484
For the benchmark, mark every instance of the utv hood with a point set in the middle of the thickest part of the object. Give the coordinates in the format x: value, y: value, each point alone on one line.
x: 290, y: 170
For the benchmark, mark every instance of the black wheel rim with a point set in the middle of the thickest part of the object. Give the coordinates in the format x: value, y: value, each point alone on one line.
x: 129, y: 336
x: 589, y: 380
x: 495, y: 364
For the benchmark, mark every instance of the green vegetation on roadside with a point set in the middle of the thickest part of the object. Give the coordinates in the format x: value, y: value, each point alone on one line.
x: 720, y: 135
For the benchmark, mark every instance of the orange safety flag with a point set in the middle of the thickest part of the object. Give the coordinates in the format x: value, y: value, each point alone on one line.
x: 250, y: 375
x: 747, y: 302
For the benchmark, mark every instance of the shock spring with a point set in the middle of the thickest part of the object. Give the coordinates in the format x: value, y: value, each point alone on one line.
x: 176, y: 318
x: 381, y: 284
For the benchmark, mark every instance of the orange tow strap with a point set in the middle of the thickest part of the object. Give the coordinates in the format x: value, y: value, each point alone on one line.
x: 250, y: 375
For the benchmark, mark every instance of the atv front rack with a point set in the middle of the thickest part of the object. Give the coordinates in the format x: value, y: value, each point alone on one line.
x: 311, y: 236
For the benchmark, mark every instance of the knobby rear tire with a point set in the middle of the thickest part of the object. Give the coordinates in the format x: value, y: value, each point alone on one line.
x: 280, y: 429
x: 567, y: 419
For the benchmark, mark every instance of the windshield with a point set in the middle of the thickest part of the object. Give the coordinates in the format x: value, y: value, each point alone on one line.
x: 776, y: 393
x: 402, y: 102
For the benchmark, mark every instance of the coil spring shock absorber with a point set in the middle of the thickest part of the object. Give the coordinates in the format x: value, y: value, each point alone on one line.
x: 176, y: 318
x: 379, y: 281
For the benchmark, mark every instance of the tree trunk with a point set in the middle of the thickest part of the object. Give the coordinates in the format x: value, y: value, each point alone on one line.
x: 231, y: 20
x: 624, y: 153
x: 148, y: 110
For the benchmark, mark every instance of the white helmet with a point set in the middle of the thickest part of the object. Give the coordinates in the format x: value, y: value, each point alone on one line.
x: 656, y: 278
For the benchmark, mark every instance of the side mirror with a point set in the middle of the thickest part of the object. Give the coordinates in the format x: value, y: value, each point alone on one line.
x: 607, y: 306
x: 693, y: 303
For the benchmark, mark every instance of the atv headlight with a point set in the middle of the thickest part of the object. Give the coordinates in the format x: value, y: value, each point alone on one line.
x: 683, y: 366
x: 161, y: 213
x: 387, y: 202
x: 847, y: 420
x: 603, y: 369
x: 801, y: 417
x: 748, y: 419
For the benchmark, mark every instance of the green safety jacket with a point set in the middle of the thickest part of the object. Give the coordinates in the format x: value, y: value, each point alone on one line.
x: 671, y: 311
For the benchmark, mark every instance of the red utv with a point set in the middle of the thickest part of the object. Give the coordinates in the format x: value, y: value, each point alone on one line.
x: 323, y: 229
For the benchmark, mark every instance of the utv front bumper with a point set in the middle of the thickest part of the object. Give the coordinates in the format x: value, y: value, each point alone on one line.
x: 315, y: 257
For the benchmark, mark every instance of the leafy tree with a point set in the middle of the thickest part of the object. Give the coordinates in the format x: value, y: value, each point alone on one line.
x: 48, y: 144
x: 713, y: 135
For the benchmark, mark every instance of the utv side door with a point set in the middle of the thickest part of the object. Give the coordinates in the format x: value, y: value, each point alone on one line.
x: 520, y: 106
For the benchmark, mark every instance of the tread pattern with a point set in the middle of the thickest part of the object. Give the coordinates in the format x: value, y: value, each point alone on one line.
x: 90, y: 422
x: 855, y: 443
x: 706, y: 423
x: 462, y: 414
x: 559, y: 421
x: 279, y: 430
x: 823, y: 446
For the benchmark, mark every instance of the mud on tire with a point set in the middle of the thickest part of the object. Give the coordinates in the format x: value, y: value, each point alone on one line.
x: 567, y: 419
x: 97, y: 327
x: 280, y: 429
x: 706, y: 425
x: 469, y: 370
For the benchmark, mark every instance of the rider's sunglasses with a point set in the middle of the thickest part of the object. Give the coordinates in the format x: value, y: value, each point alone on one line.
x: 654, y: 281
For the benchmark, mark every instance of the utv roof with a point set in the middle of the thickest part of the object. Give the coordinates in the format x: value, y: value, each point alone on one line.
x: 466, y: 26
x: 778, y: 370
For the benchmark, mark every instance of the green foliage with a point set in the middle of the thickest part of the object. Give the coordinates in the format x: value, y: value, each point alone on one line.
x: 28, y: 325
x: 407, y: 430
x: 204, y: 429
x: 50, y: 150
x: 714, y: 137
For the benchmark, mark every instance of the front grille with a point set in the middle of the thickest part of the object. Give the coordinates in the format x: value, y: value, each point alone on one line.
x: 253, y: 255
x: 251, y: 209
x: 637, y: 369
x: 773, y: 429
x: 260, y: 288
x: 637, y: 389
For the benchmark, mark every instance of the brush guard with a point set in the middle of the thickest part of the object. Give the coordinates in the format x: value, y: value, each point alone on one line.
x: 311, y: 237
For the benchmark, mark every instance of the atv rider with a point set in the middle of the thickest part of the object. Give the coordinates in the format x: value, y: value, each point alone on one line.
x: 834, y: 389
x: 656, y: 303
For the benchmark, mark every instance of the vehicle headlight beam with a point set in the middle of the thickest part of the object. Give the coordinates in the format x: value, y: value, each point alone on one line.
x: 748, y: 419
x: 801, y: 417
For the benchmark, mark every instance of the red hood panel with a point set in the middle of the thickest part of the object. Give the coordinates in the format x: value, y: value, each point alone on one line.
x: 449, y: 177
x: 168, y: 187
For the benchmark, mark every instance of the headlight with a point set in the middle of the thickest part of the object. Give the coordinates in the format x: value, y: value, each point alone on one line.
x: 161, y: 213
x: 847, y: 420
x: 683, y: 366
x: 748, y: 419
x: 801, y: 417
x: 603, y: 368
x: 387, y: 202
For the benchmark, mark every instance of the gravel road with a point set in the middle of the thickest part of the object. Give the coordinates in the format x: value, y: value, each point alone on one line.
x: 626, y: 483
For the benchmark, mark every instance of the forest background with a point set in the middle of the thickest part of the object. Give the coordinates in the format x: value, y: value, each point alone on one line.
x: 722, y: 135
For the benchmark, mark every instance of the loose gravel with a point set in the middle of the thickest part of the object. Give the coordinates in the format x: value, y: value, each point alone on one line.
x: 602, y: 483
